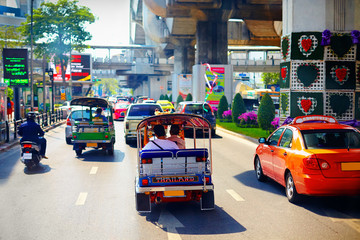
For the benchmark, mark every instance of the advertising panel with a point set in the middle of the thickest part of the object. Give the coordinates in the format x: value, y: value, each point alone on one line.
x: 57, y: 72
x: 185, y: 84
x: 16, y: 71
x: 218, y: 88
x: 81, y: 67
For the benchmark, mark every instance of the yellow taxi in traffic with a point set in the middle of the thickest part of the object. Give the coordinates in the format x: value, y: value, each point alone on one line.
x: 166, y: 105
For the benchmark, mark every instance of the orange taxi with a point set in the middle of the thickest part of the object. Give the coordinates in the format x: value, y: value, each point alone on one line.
x: 314, y: 155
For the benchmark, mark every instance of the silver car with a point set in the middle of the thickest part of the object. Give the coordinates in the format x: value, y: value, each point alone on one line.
x: 75, y: 115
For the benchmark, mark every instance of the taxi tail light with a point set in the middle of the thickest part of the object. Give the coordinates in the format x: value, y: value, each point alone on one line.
x: 146, y: 161
x: 68, y: 122
x: 201, y: 159
x: 145, y: 181
x: 311, y: 163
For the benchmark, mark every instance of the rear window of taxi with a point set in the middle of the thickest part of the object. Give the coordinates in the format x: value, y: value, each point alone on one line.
x: 331, y: 139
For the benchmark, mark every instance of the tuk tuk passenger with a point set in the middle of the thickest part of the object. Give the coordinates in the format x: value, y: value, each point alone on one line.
x: 174, y: 136
x: 161, y: 142
x: 99, y: 115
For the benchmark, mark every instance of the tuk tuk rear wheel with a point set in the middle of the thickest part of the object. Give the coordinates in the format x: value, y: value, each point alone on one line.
x: 78, y: 152
x: 110, y: 150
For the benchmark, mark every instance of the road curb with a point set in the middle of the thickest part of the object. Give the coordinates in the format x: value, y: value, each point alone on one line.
x: 15, y: 142
x: 254, y: 140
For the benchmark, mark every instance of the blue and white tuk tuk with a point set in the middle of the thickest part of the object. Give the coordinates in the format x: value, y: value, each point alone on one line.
x: 174, y: 175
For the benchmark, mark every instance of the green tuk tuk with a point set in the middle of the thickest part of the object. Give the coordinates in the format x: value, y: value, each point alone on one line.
x: 95, y: 127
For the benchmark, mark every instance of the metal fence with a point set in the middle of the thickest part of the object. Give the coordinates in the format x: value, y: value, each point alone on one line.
x: 44, y: 120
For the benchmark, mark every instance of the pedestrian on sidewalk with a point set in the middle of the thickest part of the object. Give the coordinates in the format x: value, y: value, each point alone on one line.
x: 10, y: 108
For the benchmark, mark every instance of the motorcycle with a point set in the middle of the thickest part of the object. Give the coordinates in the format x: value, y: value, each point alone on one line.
x: 30, y: 154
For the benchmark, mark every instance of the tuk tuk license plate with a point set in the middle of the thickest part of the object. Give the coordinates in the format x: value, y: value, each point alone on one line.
x: 91, y: 144
x: 175, y: 179
x: 27, y: 156
x: 178, y: 193
x: 350, y: 166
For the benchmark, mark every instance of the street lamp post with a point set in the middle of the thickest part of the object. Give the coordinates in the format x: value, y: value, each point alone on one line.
x: 50, y: 73
x: 31, y: 58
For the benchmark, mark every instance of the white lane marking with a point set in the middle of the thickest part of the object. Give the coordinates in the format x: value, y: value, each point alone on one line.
x: 81, y: 199
x: 94, y: 170
x: 235, y: 195
x: 340, y: 217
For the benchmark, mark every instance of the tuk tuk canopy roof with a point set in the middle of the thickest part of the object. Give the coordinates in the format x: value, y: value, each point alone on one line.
x: 186, y: 120
x: 90, y: 102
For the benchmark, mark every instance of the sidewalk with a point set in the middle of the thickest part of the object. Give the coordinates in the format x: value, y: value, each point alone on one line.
x: 13, y: 142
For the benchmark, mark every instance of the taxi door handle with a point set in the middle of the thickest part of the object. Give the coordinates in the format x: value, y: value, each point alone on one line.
x: 272, y: 150
x: 285, y: 154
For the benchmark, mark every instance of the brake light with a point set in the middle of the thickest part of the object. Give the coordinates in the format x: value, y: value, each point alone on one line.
x: 75, y: 136
x: 145, y: 181
x: 201, y: 159
x: 68, y: 122
x: 207, y: 179
x: 27, y: 145
x: 127, y: 125
x: 106, y: 136
x: 146, y: 161
x: 311, y: 163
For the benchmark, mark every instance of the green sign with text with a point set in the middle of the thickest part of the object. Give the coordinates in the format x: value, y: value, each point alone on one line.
x: 16, y: 67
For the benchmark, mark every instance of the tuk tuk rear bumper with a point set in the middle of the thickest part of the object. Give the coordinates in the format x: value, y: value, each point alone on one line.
x: 92, y: 141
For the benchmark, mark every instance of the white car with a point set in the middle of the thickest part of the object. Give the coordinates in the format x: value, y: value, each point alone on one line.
x: 137, y: 112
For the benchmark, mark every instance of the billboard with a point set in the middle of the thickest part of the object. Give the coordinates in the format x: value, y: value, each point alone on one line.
x: 218, y: 87
x: 16, y: 71
x: 81, y: 67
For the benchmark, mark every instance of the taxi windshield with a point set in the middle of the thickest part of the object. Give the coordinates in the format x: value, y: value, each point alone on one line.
x: 331, y: 139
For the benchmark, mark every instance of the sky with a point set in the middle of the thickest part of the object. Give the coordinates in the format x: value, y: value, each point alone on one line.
x: 111, y: 27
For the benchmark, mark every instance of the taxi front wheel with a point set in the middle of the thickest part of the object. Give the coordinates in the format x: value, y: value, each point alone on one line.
x: 290, y: 189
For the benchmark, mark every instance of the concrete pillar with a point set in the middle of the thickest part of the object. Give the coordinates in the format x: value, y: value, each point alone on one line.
x: 211, y: 42
x: 184, y: 55
x: 319, y: 75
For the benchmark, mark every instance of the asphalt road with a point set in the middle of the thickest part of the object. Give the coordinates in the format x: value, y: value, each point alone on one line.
x: 92, y: 197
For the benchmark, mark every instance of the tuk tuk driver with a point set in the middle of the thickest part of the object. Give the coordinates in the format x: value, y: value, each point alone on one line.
x: 161, y: 142
x: 99, y: 115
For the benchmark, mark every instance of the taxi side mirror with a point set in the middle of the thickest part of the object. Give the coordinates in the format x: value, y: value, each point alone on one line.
x: 262, y: 140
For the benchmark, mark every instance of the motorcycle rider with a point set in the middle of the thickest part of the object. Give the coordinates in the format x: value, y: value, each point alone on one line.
x: 31, y: 131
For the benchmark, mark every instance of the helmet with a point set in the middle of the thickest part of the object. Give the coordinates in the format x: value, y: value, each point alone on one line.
x: 30, y: 116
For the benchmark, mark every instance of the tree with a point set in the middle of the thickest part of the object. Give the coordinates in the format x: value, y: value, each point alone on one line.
x: 110, y: 85
x: 179, y: 100
x: 223, y: 106
x: 238, y: 107
x: 10, y: 37
x: 166, y: 97
x: 170, y: 98
x: 189, y: 97
x: 58, y: 28
x: 270, y: 78
x: 161, y: 97
x: 266, y: 112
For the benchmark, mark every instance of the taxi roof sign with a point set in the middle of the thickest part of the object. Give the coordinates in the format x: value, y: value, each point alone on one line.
x: 311, y: 118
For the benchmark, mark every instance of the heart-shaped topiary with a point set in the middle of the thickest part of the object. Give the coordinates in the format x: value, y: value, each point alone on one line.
x: 339, y: 103
x: 306, y: 104
x: 306, y: 43
x: 341, y: 73
x: 307, y: 74
x: 340, y: 44
x: 285, y: 47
